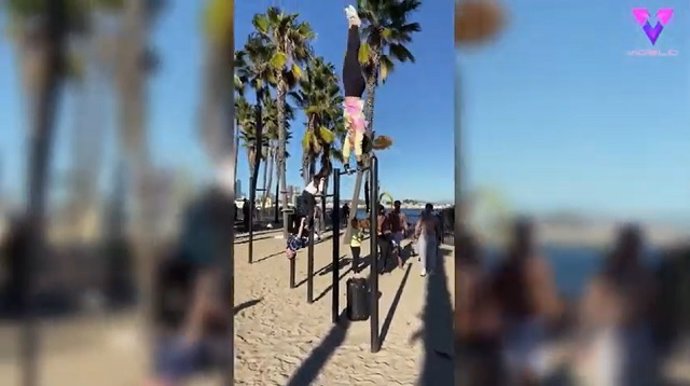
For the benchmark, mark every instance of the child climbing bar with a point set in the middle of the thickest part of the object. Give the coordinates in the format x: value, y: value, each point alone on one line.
x: 353, y: 83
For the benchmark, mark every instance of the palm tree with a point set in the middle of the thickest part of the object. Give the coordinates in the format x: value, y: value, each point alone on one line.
x: 253, y: 67
x: 320, y: 97
x: 40, y: 31
x: 245, y: 119
x: 272, y: 145
x: 290, y: 40
x: 386, y: 30
x: 215, y: 108
x: 476, y: 22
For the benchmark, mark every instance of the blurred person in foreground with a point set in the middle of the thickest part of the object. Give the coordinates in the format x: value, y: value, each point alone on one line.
x: 14, y: 266
x: 428, y: 234
x: 194, y: 293
x: 615, y: 343
x: 477, y: 320
x: 527, y: 295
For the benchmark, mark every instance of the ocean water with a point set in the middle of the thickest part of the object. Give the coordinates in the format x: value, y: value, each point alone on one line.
x: 573, y: 267
x: 411, y: 214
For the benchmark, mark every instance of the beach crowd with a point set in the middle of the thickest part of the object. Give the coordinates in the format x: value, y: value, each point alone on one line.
x: 514, y: 328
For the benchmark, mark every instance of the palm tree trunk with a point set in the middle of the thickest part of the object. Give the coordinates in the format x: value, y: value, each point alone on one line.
x: 131, y: 77
x: 369, y: 114
x: 266, y: 158
x: 250, y: 161
x: 282, y: 139
x: 236, y: 151
x: 43, y: 104
x: 257, y: 147
x: 268, y: 184
x: 306, y: 164
x: 277, y: 174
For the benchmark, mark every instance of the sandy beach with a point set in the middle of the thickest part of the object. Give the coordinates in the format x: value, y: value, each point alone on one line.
x: 280, y: 339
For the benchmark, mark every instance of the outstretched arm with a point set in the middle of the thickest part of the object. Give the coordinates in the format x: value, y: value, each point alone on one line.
x: 418, y: 228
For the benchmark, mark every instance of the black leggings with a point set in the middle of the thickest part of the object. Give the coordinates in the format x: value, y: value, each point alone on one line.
x: 385, y: 251
x: 355, y: 258
x: 353, y: 80
x: 308, y: 206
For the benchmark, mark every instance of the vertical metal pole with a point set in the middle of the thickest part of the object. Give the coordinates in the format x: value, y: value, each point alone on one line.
x: 252, y: 197
x: 374, y: 272
x: 336, y: 244
x: 310, y: 264
x: 322, y: 220
x: 292, y: 272
x: 277, y: 204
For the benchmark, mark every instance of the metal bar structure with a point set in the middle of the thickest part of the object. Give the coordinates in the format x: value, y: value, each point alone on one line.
x: 373, y: 247
x: 310, y: 264
x: 336, y: 245
x: 292, y: 272
x: 277, y: 204
x: 252, y: 208
x: 252, y: 198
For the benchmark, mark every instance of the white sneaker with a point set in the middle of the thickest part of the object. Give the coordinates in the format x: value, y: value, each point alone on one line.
x: 352, y: 16
x: 423, y: 273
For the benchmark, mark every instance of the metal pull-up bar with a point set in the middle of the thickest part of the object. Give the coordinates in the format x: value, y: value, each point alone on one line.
x: 250, y: 223
x: 373, y: 239
x: 373, y: 252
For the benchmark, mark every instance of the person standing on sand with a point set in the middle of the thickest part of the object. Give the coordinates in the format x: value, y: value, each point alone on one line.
x: 345, y: 213
x: 616, y: 313
x: 383, y: 237
x: 526, y: 291
x: 356, y: 243
x: 477, y: 320
x: 427, y: 233
x: 398, y: 223
x: 245, y: 214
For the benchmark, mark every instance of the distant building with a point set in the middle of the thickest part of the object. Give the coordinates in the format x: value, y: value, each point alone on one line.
x: 238, y: 188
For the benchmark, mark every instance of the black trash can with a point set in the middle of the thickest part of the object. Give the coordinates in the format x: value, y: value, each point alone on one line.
x: 357, y: 299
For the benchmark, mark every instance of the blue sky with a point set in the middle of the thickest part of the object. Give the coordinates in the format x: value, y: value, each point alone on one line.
x: 173, y: 95
x: 415, y: 106
x: 557, y: 116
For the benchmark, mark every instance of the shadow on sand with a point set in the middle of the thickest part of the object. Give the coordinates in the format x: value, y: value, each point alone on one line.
x: 437, y: 332
x: 330, y: 286
x: 394, y: 306
x: 269, y: 256
x: 325, y: 269
x: 311, y: 367
x: 241, y: 307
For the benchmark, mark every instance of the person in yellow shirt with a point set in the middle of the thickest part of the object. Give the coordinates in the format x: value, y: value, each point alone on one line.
x: 356, y: 243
